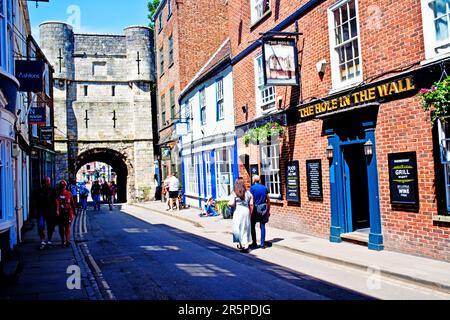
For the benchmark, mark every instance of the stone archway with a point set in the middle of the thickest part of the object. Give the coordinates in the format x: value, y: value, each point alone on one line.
x: 113, y: 158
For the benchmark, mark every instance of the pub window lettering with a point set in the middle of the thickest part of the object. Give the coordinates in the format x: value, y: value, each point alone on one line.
x: 345, y: 43
x: 436, y: 27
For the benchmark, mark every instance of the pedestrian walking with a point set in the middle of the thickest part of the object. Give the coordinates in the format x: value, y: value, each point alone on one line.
x: 73, y: 189
x: 105, y: 192
x: 65, y: 209
x: 241, y: 201
x: 112, y: 195
x: 84, y: 194
x: 95, y: 192
x: 261, y: 210
x: 174, y: 190
x: 43, y: 206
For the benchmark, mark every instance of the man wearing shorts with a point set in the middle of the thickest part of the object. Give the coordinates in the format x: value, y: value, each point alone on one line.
x: 174, y: 188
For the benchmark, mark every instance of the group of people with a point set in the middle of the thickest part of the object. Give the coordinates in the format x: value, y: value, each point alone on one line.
x: 250, y: 208
x: 54, y: 208
x: 107, y: 191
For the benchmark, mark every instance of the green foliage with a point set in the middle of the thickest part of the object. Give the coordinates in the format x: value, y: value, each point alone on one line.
x: 263, y: 134
x: 221, y: 206
x: 436, y: 99
x: 152, y: 6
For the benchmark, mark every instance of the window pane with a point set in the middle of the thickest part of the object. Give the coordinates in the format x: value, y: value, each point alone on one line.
x: 441, y: 26
x: 344, y: 13
x: 352, y: 9
x: 354, y: 30
x: 337, y: 18
x: 440, y: 8
x: 346, y: 31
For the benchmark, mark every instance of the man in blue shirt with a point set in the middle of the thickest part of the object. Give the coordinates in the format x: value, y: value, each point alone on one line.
x: 261, y: 210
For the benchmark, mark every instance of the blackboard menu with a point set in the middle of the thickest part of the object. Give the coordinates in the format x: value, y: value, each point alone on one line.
x: 314, y: 177
x: 403, y: 179
x: 293, y: 181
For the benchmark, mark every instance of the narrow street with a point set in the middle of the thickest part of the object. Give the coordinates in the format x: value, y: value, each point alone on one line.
x: 164, y: 258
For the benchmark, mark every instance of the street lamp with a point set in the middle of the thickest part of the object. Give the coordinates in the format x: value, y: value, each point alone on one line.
x: 368, y: 148
x: 330, y: 152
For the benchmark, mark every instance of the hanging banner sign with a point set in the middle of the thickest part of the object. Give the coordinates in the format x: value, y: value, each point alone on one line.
x: 280, y: 62
x: 30, y: 75
x: 166, y: 153
x: 37, y: 115
x: 403, y: 179
x: 46, y: 134
x: 293, y: 181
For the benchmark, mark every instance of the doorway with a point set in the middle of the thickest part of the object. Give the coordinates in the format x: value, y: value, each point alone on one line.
x: 356, y: 189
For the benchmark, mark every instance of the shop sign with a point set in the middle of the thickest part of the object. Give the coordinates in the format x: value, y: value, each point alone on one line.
x: 46, y: 134
x: 254, y: 170
x: 30, y: 75
x: 37, y: 115
x: 314, y: 177
x: 403, y: 179
x: 374, y: 94
x: 292, y: 181
x: 166, y: 153
x: 280, y: 61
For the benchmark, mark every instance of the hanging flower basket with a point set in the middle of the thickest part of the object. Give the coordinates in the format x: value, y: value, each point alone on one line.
x: 263, y: 134
x: 436, y: 100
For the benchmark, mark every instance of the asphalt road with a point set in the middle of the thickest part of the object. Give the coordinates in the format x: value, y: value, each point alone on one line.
x: 156, y: 261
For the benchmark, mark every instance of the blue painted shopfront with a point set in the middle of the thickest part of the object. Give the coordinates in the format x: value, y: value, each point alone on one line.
x: 355, y: 204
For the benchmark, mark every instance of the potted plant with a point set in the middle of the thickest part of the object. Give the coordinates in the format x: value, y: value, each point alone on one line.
x: 264, y: 133
x: 436, y: 100
x: 222, y: 208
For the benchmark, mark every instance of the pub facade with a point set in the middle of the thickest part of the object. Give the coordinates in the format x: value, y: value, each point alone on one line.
x: 358, y: 158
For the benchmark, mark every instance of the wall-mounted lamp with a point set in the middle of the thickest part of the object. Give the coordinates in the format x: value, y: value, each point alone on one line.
x: 368, y: 148
x: 330, y: 152
x: 245, y: 108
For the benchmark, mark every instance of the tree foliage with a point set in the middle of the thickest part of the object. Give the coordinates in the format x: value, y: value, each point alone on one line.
x: 152, y: 6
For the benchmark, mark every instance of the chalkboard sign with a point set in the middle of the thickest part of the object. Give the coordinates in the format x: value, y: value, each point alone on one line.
x: 314, y: 177
x: 403, y: 179
x: 254, y: 170
x: 292, y: 181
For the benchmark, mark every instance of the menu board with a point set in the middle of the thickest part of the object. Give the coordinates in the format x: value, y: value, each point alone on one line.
x: 314, y: 177
x: 292, y: 181
x: 403, y: 179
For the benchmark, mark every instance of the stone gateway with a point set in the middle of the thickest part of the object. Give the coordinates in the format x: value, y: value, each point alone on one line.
x: 102, y: 102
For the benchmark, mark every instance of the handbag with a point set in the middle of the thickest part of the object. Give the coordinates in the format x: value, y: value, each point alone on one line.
x: 262, y: 209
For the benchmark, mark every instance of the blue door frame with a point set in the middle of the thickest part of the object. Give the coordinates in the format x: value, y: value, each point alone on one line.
x: 340, y: 202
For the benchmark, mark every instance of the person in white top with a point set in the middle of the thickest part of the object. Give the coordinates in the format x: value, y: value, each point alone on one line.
x: 174, y: 188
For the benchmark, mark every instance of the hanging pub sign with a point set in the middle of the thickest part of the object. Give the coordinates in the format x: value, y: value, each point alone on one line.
x: 45, y: 134
x: 403, y: 179
x: 292, y: 181
x: 30, y: 74
x: 280, y: 62
x: 37, y: 115
x: 166, y: 153
x: 182, y: 129
x: 314, y: 177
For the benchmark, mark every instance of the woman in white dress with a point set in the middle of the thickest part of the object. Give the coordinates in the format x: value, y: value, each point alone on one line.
x: 242, y: 203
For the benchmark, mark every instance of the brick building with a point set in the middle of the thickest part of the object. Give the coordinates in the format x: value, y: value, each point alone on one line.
x: 354, y: 126
x: 182, y: 46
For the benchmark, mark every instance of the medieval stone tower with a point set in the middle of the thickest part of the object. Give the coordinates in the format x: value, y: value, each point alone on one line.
x: 102, y: 102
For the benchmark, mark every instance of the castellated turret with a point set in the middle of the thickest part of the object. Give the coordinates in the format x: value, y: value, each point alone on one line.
x: 57, y: 43
x: 139, y: 40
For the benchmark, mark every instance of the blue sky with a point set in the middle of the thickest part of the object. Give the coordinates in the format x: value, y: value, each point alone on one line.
x: 91, y: 16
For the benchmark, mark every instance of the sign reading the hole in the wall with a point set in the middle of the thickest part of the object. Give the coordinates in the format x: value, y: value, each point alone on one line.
x: 403, y: 179
x: 314, y: 177
x: 292, y: 181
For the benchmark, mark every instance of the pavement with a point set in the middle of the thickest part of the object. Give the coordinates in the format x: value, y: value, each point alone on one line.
x: 32, y: 274
x: 428, y: 273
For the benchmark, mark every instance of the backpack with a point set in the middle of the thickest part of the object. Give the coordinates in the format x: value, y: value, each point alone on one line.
x: 84, y: 192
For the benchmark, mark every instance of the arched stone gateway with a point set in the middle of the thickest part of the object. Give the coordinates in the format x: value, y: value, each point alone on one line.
x: 118, y: 162
x: 103, y: 103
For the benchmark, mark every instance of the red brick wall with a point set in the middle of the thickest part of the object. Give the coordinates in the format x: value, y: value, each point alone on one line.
x: 391, y: 38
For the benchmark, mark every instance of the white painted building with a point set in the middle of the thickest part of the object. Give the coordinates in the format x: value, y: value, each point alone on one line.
x: 209, y: 151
